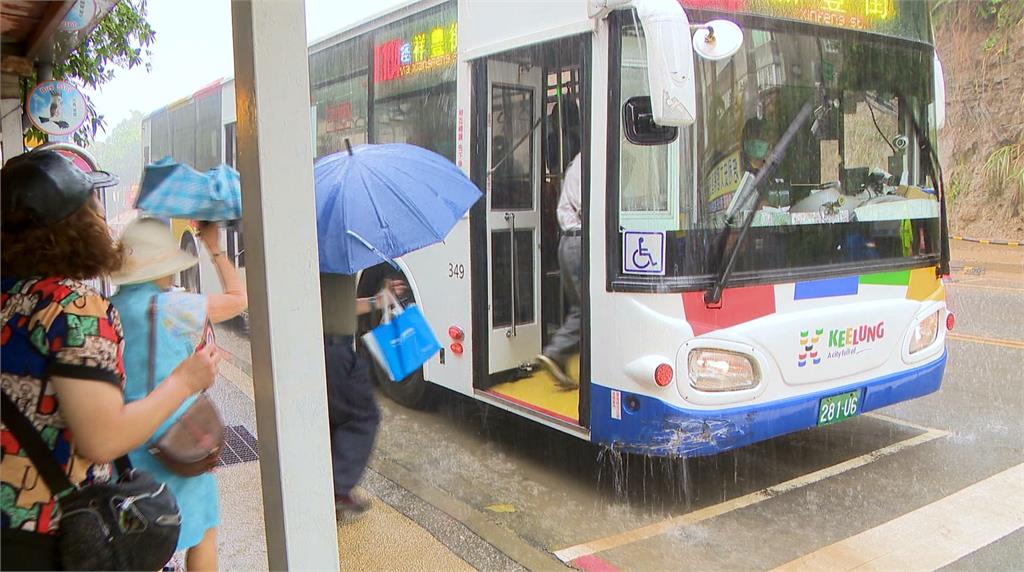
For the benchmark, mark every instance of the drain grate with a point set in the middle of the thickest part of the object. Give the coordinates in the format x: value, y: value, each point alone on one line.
x: 240, y: 446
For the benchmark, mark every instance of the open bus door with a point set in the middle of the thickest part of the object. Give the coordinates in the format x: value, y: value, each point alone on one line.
x: 514, y: 108
x: 524, y: 149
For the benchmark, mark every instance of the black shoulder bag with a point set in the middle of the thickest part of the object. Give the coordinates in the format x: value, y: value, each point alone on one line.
x: 130, y: 524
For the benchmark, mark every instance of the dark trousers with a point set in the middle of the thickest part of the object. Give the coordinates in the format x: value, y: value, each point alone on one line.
x: 566, y: 341
x: 352, y: 412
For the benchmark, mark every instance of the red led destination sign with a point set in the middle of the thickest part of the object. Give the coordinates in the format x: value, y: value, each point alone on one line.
x: 890, y: 17
x: 424, y: 51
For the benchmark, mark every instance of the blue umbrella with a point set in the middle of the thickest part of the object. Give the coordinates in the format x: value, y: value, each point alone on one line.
x: 175, y: 190
x: 378, y: 202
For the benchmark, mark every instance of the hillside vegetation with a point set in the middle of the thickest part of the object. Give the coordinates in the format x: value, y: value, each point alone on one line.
x: 981, y: 46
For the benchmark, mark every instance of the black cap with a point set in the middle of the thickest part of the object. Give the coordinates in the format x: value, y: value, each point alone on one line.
x: 44, y: 187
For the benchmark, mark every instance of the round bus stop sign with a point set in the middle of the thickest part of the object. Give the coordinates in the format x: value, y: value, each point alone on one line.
x: 80, y: 16
x: 56, y: 107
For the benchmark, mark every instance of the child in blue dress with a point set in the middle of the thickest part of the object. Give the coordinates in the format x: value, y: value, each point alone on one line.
x: 153, y: 260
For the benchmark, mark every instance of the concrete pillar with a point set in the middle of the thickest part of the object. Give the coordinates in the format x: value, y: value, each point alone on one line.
x: 275, y: 160
x: 13, y: 136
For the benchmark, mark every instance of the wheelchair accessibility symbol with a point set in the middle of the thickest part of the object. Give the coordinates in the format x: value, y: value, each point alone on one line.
x: 643, y: 252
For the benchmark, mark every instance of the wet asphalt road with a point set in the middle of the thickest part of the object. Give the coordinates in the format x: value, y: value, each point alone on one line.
x: 534, y: 493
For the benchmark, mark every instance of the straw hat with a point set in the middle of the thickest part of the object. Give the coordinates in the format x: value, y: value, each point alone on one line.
x: 152, y: 253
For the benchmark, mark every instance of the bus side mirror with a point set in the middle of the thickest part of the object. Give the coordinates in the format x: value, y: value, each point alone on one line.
x: 939, y: 79
x: 670, y: 74
x: 640, y: 127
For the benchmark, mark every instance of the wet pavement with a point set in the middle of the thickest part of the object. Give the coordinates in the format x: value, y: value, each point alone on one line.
x: 470, y: 486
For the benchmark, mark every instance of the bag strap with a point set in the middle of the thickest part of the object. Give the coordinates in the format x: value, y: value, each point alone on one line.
x: 39, y: 452
x: 150, y: 382
x: 392, y: 307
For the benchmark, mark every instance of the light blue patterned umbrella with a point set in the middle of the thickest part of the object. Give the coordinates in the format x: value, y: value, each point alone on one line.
x: 175, y: 190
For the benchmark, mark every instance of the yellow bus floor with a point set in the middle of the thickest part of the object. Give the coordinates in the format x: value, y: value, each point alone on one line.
x: 540, y: 393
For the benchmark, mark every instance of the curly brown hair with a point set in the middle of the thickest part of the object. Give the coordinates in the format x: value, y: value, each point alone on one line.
x: 79, y: 247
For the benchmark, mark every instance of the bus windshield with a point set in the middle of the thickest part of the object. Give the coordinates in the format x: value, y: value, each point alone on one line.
x: 850, y: 189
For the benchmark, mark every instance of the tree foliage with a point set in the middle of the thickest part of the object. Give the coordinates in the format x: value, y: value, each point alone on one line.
x: 122, y: 40
x: 121, y: 151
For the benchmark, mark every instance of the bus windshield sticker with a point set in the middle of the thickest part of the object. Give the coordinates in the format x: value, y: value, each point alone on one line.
x: 643, y: 252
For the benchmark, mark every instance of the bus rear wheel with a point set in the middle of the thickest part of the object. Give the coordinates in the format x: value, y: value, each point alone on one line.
x: 414, y: 391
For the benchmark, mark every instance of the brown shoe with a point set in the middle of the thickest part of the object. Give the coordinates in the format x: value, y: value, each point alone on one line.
x: 353, y: 506
x: 556, y: 371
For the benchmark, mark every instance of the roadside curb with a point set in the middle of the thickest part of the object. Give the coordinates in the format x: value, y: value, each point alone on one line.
x: 527, y: 555
x: 506, y: 542
x: 981, y: 267
x: 988, y: 241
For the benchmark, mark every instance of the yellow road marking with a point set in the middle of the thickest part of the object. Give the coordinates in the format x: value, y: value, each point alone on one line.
x: 571, y: 553
x: 932, y: 536
x: 984, y: 287
x: 957, y: 281
x: 1014, y: 344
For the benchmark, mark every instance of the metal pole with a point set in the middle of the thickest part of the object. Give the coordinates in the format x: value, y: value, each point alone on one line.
x: 275, y: 159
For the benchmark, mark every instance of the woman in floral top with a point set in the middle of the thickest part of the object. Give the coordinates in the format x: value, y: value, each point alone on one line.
x: 61, y: 349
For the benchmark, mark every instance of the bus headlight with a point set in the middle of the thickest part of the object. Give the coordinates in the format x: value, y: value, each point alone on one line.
x: 925, y: 333
x: 720, y: 370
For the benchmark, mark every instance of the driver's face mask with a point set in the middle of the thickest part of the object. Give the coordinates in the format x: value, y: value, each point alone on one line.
x: 755, y: 148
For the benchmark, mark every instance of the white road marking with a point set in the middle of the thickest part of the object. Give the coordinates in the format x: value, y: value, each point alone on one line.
x: 571, y: 553
x: 932, y: 536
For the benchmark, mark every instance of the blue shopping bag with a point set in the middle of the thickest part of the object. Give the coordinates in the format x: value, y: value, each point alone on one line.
x: 402, y: 342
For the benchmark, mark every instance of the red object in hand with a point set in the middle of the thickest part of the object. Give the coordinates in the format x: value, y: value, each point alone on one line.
x: 209, y: 336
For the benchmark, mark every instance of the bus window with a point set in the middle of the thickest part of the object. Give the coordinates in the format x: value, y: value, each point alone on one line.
x: 870, y: 126
x: 414, y: 81
x: 655, y: 182
x: 208, y: 130
x: 160, y: 135
x: 230, y: 141
x: 512, y: 147
x: 849, y: 189
x: 338, y: 76
x: 183, y: 133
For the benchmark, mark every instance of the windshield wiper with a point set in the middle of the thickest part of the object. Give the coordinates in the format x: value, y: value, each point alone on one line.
x: 935, y: 171
x: 724, y: 262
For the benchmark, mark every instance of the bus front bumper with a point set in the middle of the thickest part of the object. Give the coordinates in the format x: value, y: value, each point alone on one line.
x: 654, y: 427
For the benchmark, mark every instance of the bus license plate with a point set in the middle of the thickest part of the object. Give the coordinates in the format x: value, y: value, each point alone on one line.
x: 838, y: 407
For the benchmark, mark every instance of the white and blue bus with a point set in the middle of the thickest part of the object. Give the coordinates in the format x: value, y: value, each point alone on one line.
x: 763, y: 222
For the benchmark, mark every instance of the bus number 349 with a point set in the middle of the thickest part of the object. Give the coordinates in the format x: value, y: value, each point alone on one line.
x: 456, y: 270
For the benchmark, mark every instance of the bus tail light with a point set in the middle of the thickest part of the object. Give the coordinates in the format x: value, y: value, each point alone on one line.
x: 663, y: 375
x: 950, y: 321
x: 455, y: 333
x: 719, y: 370
x: 925, y: 332
x: 457, y: 348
